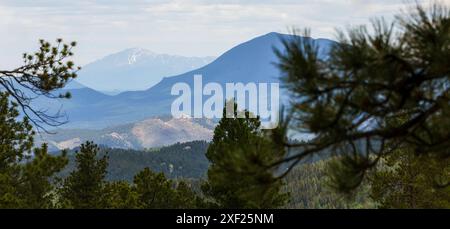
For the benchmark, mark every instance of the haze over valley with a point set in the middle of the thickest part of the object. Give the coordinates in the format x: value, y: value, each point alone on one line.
x: 251, y: 61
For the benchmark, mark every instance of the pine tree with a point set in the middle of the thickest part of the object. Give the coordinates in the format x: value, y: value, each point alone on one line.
x: 186, y: 198
x: 239, y: 154
x: 154, y: 190
x: 38, y: 190
x: 42, y: 74
x: 26, y: 175
x: 121, y: 195
x: 370, y: 77
x: 25, y: 179
x: 405, y: 180
x: 85, y: 186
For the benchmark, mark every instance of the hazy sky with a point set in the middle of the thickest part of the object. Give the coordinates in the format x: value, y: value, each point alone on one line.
x: 185, y: 27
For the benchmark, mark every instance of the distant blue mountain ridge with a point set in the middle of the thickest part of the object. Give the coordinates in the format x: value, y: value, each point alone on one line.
x: 252, y: 61
x: 135, y: 69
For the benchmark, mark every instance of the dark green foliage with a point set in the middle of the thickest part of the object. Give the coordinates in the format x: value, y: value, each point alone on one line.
x: 120, y: 195
x: 405, y: 180
x: 181, y: 160
x: 156, y: 192
x: 352, y: 100
x: 308, y: 186
x: 176, y: 161
x: 37, y: 189
x: 24, y: 180
x: 187, y: 198
x: 239, y: 154
x: 85, y: 187
x: 16, y: 137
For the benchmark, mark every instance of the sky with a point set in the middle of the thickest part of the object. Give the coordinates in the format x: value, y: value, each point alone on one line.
x: 182, y: 27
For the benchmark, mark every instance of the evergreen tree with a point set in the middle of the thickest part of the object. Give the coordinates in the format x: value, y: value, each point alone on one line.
x: 42, y: 73
x: 239, y: 155
x: 38, y: 190
x: 308, y: 186
x: 186, y: 198
x: 347, y: 100
x: 85, y: 186
x: 154, y: 190
x: 120, y: 195
x: 405, y: 180
x: 25, y: 179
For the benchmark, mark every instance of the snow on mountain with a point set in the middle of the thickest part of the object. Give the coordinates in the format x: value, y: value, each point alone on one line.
x: 137, y: 53
x: 135, y: 69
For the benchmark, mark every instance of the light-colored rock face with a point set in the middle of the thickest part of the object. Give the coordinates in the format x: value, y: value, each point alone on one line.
x: 68, y: 144
x: 156, y: 132
x: 152, y: 132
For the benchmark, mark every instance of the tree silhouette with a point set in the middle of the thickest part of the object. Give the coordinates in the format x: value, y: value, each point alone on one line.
x: 25, y: 181
x: 43, y: 72
x: 239, y: 151
x: 376, y: 92
x: 85, y: 186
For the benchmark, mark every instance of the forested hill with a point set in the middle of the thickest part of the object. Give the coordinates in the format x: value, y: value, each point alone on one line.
x: 181, y: 160
x: 187, y: 161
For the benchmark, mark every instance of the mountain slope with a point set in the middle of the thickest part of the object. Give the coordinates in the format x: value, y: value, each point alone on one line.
x: 135, y: 69
x: 181, y: 160
x: 149, y: 133
x: 252, y: 61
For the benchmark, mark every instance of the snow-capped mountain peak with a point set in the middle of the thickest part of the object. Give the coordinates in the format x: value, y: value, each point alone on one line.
x: 136, y: 69
x: 136, y: 54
